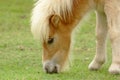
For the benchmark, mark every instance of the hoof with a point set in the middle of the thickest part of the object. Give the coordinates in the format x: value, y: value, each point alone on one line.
x: 114, y: 69
x: 94, y: 65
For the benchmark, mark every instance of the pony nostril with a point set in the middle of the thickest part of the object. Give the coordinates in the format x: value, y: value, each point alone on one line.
x: 55, y: 70
x: 46, y: 69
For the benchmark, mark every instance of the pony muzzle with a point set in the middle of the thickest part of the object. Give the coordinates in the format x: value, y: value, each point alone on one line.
x: 51, y: 67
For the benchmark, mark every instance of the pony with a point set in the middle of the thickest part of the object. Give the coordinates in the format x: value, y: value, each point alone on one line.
x: 53, y: 22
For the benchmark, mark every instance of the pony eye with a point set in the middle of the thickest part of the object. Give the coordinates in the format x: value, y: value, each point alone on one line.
x: 50, y: 40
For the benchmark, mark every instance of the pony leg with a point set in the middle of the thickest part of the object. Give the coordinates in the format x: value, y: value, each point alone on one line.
x: 114, y: 33
x: 101, y: 34
x: 113, y: 16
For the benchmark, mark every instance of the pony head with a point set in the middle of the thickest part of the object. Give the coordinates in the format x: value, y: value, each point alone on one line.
x: 56, y: 47
x: 52, y: 25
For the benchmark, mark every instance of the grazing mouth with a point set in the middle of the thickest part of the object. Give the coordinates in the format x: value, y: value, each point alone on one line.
x: 51, y: 67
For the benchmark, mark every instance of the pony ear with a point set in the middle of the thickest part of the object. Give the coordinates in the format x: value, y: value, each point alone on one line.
x: 55, y: 20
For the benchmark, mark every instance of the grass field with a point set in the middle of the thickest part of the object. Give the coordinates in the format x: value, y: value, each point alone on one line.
x: 20, y: 54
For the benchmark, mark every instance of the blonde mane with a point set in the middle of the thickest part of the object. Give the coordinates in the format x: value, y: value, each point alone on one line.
x: 42, y: 12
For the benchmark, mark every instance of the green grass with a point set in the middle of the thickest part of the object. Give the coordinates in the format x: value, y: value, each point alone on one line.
x: 20, y: 54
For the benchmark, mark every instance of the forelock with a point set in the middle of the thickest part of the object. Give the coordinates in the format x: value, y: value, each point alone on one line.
x: 41, y: 13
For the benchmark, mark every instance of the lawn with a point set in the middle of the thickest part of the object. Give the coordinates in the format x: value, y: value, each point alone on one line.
x: 20, y: 54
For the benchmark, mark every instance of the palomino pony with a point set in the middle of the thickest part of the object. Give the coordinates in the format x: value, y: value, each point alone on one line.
x: 53, y: 22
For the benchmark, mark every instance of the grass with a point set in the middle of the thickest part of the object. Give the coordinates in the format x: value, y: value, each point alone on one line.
x: 20, y: 54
